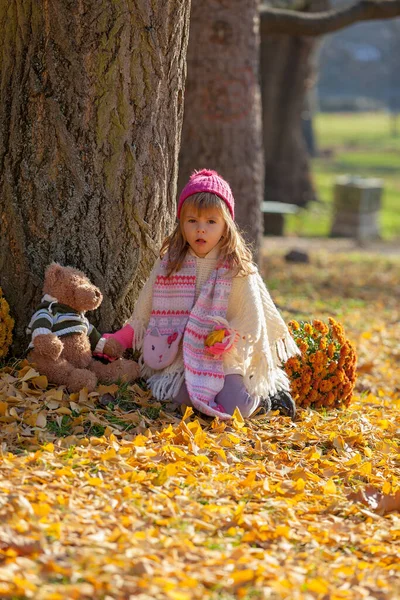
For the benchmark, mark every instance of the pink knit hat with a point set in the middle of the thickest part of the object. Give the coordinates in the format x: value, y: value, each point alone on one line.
x: 207, y: 181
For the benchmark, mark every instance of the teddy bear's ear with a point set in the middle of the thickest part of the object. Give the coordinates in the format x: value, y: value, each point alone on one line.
x: 53, y: 274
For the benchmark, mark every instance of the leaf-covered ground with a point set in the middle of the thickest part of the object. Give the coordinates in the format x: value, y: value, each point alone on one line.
x: 114, y: 496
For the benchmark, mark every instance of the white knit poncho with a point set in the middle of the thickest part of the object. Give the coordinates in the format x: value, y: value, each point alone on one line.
x: 264, y: 340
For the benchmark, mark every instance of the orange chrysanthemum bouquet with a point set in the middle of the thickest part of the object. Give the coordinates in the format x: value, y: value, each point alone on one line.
x: 325, y: 373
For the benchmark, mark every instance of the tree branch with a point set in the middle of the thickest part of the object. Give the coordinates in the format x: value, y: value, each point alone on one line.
x: 290, y: 22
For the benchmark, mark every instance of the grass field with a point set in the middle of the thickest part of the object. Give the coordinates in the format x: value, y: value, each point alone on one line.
x: 354, y: 144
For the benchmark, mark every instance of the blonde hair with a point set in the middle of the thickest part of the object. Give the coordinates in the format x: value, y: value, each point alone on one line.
x: 233, y: 249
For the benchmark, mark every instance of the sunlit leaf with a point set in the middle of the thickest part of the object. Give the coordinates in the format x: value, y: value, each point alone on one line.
x: 41, y: 419
x: 377, y: 501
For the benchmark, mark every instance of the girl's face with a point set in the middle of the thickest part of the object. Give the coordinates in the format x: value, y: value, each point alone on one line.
x: 202, y: 229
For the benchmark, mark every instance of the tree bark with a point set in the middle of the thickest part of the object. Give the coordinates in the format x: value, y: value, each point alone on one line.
x: 285, y: 68
x: 91, y: 105
x: 287, y: 71
x: 222, y: 122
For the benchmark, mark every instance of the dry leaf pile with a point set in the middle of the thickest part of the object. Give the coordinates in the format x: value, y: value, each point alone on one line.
x: 112, y: 495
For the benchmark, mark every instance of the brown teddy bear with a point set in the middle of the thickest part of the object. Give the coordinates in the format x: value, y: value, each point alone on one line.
x: 62, y: 340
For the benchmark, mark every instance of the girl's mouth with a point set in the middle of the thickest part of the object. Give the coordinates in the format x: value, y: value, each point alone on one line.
x: 200, y: 241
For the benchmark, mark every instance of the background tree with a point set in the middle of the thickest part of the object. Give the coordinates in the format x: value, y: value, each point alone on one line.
x: 222, y: 123
x: 289, y: 22
x: 287, y: 71
x: 289, y: 41
x: 222, y: 118
x: 394, y: 69
x: 91, y: 104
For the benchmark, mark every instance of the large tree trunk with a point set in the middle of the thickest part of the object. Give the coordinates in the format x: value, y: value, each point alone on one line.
x: 222, y: 122
x: 287, y: 70
x: 91, y: 104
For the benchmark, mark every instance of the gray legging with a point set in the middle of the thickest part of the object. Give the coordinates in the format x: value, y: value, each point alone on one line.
x: 233, y: 395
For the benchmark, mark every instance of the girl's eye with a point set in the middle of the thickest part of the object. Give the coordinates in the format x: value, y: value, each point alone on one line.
x: 192, y: 221
x: 211, y: 222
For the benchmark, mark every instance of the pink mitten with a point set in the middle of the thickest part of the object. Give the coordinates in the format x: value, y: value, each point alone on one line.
x: 123, y: 337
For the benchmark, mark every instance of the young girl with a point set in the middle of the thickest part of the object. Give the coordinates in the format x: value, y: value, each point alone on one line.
x: 208, y: 331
